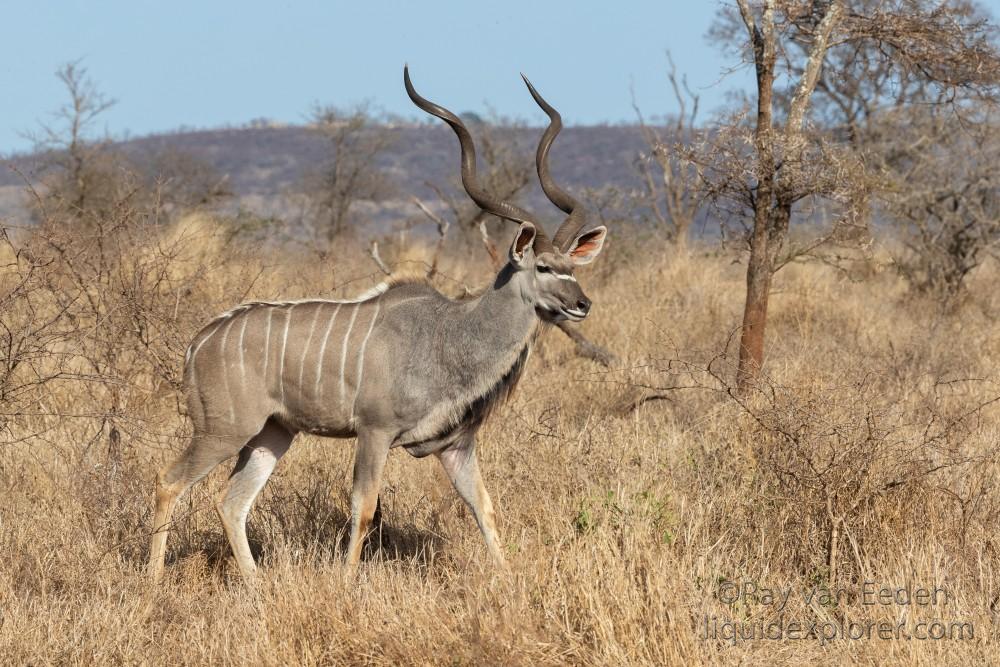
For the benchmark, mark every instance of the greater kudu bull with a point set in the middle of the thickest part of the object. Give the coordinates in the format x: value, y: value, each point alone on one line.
x: 401, y: 366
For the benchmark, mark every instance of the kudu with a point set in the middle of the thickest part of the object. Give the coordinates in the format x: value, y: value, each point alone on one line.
x: 401, y: 366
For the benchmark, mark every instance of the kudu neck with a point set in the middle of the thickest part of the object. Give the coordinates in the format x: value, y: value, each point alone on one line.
x: 507, y: 303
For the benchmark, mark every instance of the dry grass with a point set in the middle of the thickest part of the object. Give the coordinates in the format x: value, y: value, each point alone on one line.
x: 869, y: 454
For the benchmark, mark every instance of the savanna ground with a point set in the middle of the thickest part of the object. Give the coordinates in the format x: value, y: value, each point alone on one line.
x: 630, y: 499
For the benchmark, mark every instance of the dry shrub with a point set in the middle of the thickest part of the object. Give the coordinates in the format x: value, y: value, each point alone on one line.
x: 851, y: 465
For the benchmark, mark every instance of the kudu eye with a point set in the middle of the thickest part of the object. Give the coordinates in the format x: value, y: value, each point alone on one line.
x: 544, y: 269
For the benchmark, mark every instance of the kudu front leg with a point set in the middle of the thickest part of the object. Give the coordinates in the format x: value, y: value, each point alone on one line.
x: 369, y: 460
x: 462, y: 467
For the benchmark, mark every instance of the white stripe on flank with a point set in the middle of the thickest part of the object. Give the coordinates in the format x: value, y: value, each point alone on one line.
x: 343, y: 354
x: 281, y: 367
x: 319, y: 364
x: 193, y: 351
x: 204, y: 340
x: 225, y: 371
x: 305, y: 349
x: 243, y: 368
x: 361, y: 358
x: 267, y: 343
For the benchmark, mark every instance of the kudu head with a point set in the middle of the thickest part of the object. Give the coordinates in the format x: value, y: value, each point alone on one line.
x: 542, y: 267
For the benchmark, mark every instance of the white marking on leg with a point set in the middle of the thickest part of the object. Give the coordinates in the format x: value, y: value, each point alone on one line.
x: 319, y: 364
x: 267, y: 343
x: 343, y: 354
x: 361, y: 358
x: 281, y: 361
x: 243, y: 368
x: 244, y: 486
x: 305, y: 348
x: 225, y: 372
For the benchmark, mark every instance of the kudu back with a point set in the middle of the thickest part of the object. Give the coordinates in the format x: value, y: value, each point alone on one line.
x: 400, y: 366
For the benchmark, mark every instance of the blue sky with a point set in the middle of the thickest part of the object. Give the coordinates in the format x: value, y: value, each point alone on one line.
x: 206, y: 64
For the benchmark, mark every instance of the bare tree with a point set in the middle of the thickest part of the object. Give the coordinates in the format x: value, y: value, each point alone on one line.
x: 85, y: 177
x: 941, y: 191
x: 669, y: 180
x: 74, y: 163
x: 350, y: 175
x: 928, y: 145
x: 777, y: 164
x: 179, y: 181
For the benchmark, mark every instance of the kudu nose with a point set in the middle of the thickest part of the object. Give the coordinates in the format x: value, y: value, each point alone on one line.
x: 583, y: 305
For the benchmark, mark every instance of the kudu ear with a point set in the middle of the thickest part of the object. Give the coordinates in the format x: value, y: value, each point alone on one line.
x: 587, y: 245
x: 522, y: 241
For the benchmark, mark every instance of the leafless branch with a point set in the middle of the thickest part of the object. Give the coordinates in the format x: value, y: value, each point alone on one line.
x: 373, y: 253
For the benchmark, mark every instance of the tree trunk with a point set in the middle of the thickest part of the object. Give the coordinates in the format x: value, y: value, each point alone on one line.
x: 759, y: 273
x: 760, y: 268
x: 681, y: 240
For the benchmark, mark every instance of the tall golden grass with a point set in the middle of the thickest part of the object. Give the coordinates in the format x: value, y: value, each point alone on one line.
x: 630, y: 500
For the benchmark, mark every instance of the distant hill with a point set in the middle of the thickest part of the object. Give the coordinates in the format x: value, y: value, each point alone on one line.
x: 262, y: 163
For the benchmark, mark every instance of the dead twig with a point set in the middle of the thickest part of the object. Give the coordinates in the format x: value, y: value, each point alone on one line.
x: 587, y: 348
x: 442, y: 227
x: 373, y: 253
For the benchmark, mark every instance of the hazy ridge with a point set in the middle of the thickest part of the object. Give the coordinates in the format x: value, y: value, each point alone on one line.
x: 261, y: 164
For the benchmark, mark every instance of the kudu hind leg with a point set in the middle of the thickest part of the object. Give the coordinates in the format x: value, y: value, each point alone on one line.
x: 369, y: 461
x: 253, y: 468
x: 202, y: 455
x: 461, y: 465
